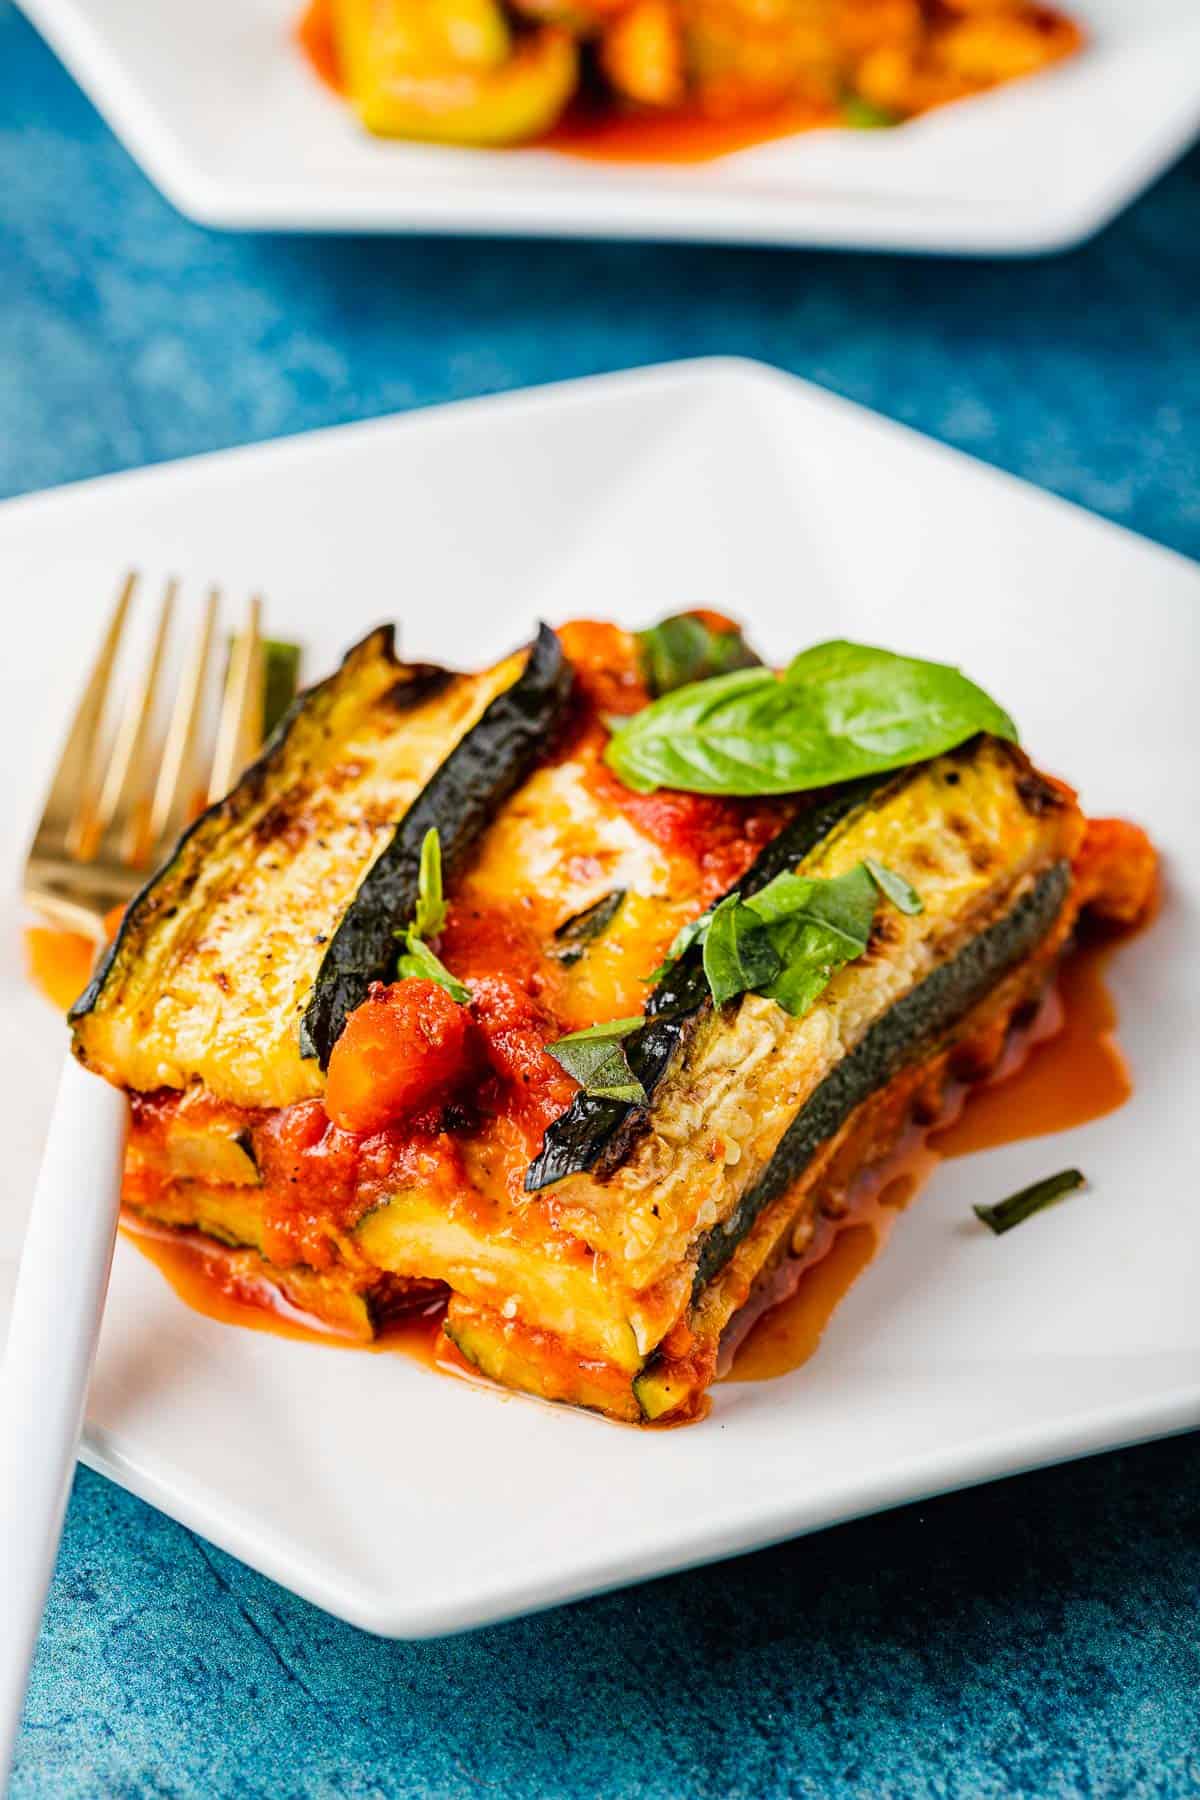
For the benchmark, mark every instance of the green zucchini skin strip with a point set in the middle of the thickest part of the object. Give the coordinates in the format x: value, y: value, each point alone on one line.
x: 597, y: 1133
x: 461, y: 798
x: 904, y: 1033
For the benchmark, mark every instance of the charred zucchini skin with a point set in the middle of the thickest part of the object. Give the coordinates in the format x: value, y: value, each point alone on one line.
x: 483, y: 769
x: 598, y: 1134
x: 906, y: 1033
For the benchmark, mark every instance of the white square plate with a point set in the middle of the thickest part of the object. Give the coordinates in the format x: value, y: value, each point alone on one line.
x: 217, y: 104
x: 412, y: 1503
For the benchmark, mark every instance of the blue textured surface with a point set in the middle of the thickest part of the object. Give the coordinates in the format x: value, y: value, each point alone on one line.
x: 1040, y: 1637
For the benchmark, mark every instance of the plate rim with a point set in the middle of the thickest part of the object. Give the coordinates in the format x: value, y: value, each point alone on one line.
x: 734, y: 367
x: 1089, y: 1432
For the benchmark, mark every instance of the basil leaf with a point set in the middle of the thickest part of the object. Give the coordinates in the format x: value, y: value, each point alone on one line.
x: 431, y: 906
x: 738, y: 952
x: 684, y: 648
x: 880, y: 705
x: 902, y: 894
x: 811, y: 957
x: 417, y: 962
x: 844, y: 904
x: 817, y: 927
x: 1021, y: 1206
x: 579, y: 930
x: 840, y: 711
x: 597, y: 1060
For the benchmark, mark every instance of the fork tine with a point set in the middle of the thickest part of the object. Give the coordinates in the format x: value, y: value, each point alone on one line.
x: 121, y: 814
x: 70, y: 803
x: 239, y: 729
x: 176, y: 786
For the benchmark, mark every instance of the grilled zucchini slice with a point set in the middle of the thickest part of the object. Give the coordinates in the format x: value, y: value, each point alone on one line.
x: 489, y: 763
x: 279, y: 904
x: 975, y: 832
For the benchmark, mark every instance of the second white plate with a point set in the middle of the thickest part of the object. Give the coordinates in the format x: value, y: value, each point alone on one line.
x: 217, y: 104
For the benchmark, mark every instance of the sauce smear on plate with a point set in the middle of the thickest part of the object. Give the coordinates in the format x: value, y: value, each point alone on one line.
x: 1061, y: 1080
x: 199, y: 1278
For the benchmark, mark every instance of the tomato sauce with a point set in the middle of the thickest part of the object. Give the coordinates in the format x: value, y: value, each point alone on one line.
x: 205, y: 1279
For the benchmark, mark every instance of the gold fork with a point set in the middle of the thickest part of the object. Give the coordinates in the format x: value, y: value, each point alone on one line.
x: 109, y: 815
x: 113, y: 813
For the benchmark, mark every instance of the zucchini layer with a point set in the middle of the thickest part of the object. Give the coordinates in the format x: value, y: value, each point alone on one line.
x: 972, y: 832
x: 552, y: 1281
x: 218, y: 957
x: 910, y: 1030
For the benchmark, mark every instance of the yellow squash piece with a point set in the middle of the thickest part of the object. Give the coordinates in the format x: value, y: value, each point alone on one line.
x: 448, y: 71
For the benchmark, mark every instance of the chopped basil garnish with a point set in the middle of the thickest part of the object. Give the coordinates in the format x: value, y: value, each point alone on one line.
x: 1021, y: 1206
x: 738, y: 951
x: 575, y: 933
x: 789, y: 940
x: 431, y: 904
x: 597, y: 1060
x: 417, y: 961
x: 839, y: 711
x: 902, y: 894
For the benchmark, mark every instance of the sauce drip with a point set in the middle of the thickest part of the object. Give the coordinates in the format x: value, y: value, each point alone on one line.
x: 1077, y: 1075
x: 790, y: 1331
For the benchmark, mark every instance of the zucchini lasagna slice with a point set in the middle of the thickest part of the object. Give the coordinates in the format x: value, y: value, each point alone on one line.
x: 340, y: 1011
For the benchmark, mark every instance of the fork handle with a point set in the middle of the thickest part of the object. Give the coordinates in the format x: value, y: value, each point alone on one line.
x: 51, y: 1344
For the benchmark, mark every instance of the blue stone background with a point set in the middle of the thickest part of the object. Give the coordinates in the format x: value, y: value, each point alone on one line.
x: 1039, y: 1637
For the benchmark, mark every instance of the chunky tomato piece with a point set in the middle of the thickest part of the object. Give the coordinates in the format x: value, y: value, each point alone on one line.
x: 606, y: 665
x: 405, y: 1048
x: 1117, y: 871
x: 515, y: 1031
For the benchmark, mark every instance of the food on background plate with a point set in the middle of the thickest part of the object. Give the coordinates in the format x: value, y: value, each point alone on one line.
x: 578, y: 994
x: 492, y: 72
